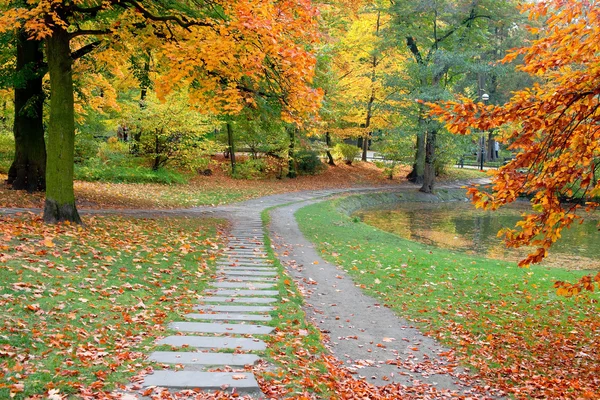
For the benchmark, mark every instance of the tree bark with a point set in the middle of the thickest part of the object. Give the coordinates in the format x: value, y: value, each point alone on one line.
x: 328, y: 143
x: 60, y: 197
x: 28, y: 169
x: 231, y: 146
x: 292, y: 173
x: 429, y: 171
x: 417, y: 173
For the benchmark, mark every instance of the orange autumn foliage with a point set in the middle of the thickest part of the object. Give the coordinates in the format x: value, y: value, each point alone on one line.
x: 229, y: 52
x: 552, y: 127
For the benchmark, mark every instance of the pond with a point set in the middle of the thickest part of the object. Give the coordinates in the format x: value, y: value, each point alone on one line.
x: 459, y: 226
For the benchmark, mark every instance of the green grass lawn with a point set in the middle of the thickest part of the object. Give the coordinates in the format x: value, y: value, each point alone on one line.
x: 82, y: 306
x: 506, y: 322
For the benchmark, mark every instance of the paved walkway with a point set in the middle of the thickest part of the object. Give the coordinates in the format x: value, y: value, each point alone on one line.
x: 229, y: 325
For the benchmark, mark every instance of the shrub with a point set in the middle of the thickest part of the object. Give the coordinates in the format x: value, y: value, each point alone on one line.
x: 85, y: 148
x: 126, y: 174
x: 7, y: 151
x: 308, y: 162
x: 346, y: 152
x: 252, y: 168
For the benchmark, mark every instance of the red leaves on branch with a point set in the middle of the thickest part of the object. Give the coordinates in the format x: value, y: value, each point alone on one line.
x: 551, y: 127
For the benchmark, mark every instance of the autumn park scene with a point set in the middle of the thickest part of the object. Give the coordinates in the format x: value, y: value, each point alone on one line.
x: 295, y: 199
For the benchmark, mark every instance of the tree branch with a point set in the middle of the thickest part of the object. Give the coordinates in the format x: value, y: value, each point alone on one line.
x: 96, y: 32
x: 162, y: 18
x: 77, y: 54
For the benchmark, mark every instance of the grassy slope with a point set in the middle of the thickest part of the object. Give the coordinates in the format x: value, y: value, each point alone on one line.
x: 505, y: 321
x: 82, y: 306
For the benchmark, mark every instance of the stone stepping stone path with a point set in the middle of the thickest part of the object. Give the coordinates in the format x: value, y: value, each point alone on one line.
x: 229, y: 317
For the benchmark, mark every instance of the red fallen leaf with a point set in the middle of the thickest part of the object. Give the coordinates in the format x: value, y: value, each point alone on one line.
x: 239, y: 376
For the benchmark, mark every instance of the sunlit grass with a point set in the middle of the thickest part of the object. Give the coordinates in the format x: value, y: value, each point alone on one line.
x: 501, y: 318
x: 82, y: 306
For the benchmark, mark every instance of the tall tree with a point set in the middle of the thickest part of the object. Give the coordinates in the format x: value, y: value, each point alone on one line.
x: 226, y: 52
x: 28, y: 169
x: 442, y: 38
x: 552, y: 126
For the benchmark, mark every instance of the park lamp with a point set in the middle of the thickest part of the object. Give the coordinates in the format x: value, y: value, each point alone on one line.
x: 484, y: 97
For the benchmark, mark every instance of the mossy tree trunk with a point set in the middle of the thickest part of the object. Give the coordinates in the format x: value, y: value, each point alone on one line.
x: 60, y: 197
x: 328, y: 143
x: 429, y: 170
x: 416, y: 175
x: 28, y: 169
x: 231, y: 144
x: 292, y: 173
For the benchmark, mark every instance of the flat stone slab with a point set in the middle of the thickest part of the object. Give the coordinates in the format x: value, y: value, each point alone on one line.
x: 241, y: 292
x: 243, y: 285
x: 208, y: 327
x: 223, y: 278
x: 233, y: 309
x: 197, y: 358
x: 247, y: 272
x: 242, y: 278
x: 223, y: 299
x: 208, y: 342
x: 257, y: 266
x: 202, y: 380
x: 230, y: 317
x: 248, y: 259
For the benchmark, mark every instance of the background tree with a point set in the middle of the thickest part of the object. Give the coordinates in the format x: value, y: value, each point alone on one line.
x: 552, y: 127
x: 442, y: 38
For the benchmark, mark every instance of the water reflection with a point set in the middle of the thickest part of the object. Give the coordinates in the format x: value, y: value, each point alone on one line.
x: 459, y: 226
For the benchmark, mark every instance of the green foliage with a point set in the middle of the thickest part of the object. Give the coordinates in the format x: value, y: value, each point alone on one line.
x: 7, y: 150
x: 308, y: 162
x: 85, y: 148
x: 252, y: 168
x: 127, y: 174
x: 171, y: 132
x: 113, y: 163
x: 346, y: 152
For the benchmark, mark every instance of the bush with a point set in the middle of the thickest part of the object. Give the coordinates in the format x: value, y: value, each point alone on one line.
x: 126, y: 174
x: 252, y: 168
x: 308, y: 162
x: 7, y: 151
x: 346, y: 152
x: 85, y: 148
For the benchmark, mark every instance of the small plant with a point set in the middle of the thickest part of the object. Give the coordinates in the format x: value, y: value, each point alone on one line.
x: 251, y: 169
x: 346, y: 152
x: 308, y: 162
x: 7, y: 151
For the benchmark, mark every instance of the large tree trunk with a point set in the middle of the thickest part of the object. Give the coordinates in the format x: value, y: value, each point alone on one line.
x: 429, y: 172
x: 28, y: 170
x: 328, y: 143
x: 418, y: 169
x: 292, y: 173
x: 60, y: 197
x: 231, y: 142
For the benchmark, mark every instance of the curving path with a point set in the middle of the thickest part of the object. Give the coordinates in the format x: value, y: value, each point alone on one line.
x: 228, y: 327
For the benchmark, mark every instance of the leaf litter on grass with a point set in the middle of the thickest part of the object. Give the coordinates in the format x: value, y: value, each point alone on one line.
x: 83, y: 305
x: 201, y: 190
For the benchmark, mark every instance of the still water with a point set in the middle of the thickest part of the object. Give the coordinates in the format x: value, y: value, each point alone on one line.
x: 459, y: 226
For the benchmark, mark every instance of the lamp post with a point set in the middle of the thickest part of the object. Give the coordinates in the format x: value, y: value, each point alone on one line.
x: 485, y: 97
